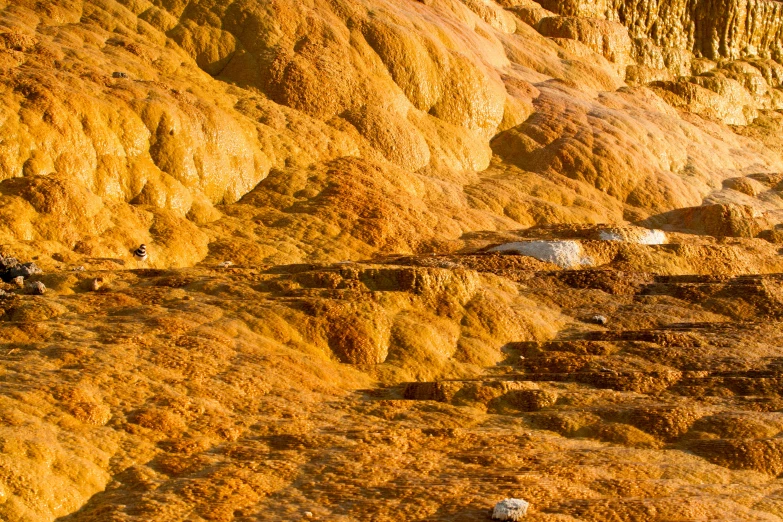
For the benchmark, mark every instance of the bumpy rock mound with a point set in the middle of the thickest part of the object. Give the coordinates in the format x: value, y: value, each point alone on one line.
x: 247, y: 126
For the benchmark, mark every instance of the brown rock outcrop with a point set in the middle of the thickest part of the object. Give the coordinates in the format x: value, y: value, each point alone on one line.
x: 603, y: 37
x: 715, y: 220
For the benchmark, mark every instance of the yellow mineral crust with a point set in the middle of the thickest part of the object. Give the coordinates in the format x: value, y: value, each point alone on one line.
x: 406, y: 258
x: 167, y: 111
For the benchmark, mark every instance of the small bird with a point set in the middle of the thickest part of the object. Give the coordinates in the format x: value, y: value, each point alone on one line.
x: 140, y: 254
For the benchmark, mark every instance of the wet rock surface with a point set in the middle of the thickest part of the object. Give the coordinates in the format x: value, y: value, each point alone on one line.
x: 166, y: 390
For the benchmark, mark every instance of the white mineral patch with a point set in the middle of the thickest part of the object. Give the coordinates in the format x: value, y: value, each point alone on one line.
x: 640, y: 236
x: 567, y: 254
x: 510, y: 509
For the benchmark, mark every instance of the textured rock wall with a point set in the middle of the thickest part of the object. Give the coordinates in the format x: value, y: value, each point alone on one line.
x: 285, y: 131
x: 710, y: 28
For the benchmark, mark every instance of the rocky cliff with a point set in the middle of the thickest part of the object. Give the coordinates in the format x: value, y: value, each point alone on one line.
x: 330, y: 130
x: 711, y: 29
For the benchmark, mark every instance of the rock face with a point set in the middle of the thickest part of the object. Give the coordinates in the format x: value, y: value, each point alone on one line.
x: 709, y: 28
x: 295, y: 132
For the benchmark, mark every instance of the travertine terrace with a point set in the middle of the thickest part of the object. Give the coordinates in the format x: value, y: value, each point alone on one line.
x: 342, y: 318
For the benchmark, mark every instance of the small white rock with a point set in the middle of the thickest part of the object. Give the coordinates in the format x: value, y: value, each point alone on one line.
x: 566, y: 254
x: 308, y: 514
x: 510, y: 509
x: 225, y: 264
x: 638, y: 235
x: 37, y: 287
x: 599, y: 319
